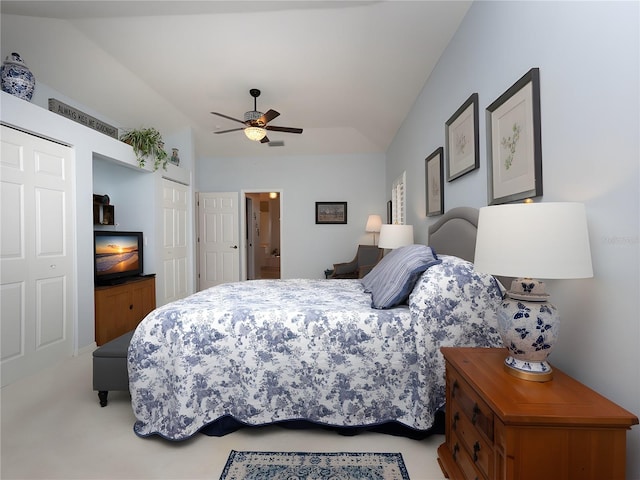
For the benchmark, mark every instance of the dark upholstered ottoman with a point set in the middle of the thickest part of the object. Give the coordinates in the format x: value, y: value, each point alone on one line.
x: 110, y: 367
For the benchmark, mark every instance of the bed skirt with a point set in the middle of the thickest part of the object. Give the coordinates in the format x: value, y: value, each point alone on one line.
x: 228, y: 424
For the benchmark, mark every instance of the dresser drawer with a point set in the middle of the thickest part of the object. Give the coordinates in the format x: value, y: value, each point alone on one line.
x: 464, y: 460
x: 468, y: 436
x: 476, y: 410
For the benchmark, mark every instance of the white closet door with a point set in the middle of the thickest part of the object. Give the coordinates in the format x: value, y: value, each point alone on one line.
x: 36, y: 254
x: 218, y: 227
x: 174, y: 245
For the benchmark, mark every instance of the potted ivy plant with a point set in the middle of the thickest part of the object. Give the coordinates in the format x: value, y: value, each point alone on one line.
x: 146, y: 143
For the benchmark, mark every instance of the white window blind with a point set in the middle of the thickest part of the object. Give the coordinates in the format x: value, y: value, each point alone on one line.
x: 398, y: 199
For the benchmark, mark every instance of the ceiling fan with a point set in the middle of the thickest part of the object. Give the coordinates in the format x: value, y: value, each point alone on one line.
x: 256, y: 123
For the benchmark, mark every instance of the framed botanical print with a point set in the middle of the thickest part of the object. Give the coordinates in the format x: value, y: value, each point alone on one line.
x: 434, y: 180
x: 514, y: 142
x: 462, y: 139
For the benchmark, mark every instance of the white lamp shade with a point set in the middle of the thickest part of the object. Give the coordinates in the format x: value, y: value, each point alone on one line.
x: 395, y: 236
x: 534, y: 240
x: 374, y: 222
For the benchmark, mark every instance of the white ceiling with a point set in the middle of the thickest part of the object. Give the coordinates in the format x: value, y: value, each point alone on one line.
x: 346, y: 72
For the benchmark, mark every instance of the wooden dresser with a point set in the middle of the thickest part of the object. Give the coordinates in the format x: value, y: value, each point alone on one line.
x: 502, y: 427
x: 119, y: 308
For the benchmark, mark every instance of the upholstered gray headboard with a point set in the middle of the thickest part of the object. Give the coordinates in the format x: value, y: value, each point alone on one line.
x: 455, y: 233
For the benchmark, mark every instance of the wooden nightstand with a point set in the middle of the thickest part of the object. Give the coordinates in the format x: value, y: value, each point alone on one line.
x: 502, y: 427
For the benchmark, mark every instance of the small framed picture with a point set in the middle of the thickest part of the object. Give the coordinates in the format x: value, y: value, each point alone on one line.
x: 175, y: 157
x: 434, y: 180
x: 514, y: 142
x: 331, y: 212
x: 463, y: 139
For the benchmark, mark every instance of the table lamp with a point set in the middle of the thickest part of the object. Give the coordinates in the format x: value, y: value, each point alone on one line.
x: 395, y: 236
x: 532, y: 241
x: 374, y: 222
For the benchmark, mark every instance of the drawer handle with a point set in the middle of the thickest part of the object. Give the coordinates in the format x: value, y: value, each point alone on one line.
x: 476, y: 411
x: 130, y: 307
x: 456, y: 449
x: 453, y: 388
x: 476, y: 449
x: 456, y: 417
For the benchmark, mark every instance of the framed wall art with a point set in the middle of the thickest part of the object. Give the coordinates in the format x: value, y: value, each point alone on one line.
x: 462, y: 139
x: 331, y: 212
x: 434, y: 180
x: 514, y: 142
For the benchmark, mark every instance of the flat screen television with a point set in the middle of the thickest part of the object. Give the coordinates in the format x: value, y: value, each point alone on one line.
x: 117, y: 256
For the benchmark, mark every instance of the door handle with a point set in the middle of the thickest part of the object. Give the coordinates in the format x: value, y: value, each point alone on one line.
x: 235, y: 246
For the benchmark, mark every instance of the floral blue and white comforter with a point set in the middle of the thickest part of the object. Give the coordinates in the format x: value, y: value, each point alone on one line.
x: 268, y: 351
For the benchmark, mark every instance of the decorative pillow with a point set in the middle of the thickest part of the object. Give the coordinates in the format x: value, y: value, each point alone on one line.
x: 391, y: 281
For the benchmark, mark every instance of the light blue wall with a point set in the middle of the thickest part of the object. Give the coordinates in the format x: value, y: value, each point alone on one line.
x: 588, y: 55
x: 307, y: 249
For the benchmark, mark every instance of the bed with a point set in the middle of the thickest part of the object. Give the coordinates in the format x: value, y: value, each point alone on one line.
x: 349, y: 354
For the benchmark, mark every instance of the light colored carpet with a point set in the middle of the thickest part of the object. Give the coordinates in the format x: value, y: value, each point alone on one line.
x: 54, y: 428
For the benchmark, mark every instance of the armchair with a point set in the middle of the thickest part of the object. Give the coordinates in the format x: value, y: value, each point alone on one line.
x: 366, y: 258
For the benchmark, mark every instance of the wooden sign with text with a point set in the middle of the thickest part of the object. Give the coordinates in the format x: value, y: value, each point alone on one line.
x: 76, y: 115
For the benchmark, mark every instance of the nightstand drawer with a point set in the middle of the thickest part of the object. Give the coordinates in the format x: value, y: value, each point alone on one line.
x: 476, y: 410
x: 467, y: 434
x: 464, y: 461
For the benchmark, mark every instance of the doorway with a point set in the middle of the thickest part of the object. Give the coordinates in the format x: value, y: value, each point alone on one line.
x: 262, y: 235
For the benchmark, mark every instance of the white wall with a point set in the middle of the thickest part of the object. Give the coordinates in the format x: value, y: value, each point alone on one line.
x: 307, y: 249
x: 588, y: 55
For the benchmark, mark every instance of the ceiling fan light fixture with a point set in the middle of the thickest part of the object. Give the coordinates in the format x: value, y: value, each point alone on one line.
x: 255, y: 133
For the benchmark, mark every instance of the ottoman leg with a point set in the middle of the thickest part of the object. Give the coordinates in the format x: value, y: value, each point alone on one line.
x: 102, y: 396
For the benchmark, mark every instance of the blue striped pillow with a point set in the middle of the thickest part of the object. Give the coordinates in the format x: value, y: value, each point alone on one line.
x: 391, y: 281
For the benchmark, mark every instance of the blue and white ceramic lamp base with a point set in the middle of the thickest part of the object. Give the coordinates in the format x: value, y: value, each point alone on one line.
x: 529, y: 326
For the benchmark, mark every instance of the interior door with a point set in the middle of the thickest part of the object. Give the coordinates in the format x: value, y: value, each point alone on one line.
x: 175, y: 278
x: 251, y: 238
x: 36, y: 254
x: 218, y: 242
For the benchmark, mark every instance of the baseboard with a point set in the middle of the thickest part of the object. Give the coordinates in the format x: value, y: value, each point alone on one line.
x: 87, y: 349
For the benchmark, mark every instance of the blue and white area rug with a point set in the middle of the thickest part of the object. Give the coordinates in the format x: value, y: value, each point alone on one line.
x: 314, y: 466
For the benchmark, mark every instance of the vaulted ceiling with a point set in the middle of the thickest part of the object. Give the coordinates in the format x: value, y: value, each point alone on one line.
x: 347, y: 72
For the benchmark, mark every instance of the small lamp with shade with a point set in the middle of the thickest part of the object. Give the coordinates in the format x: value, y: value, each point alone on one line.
x: 374, y: 222
x: 527, y: 241
x: 395, y: 236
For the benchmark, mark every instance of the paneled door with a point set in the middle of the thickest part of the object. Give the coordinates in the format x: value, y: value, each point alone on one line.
x: 36, y: 254
x: 218, y: 245
x: 174, y: 283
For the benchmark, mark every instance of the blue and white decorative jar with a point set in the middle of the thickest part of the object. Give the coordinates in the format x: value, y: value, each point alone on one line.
x: 17, y: 79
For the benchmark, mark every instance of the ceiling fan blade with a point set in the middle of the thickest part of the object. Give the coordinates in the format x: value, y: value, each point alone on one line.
x: 227, y: 117
x: 283, y: 129
x: 232, y: 130
x: 264, y: 140
x: 267, y: 117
